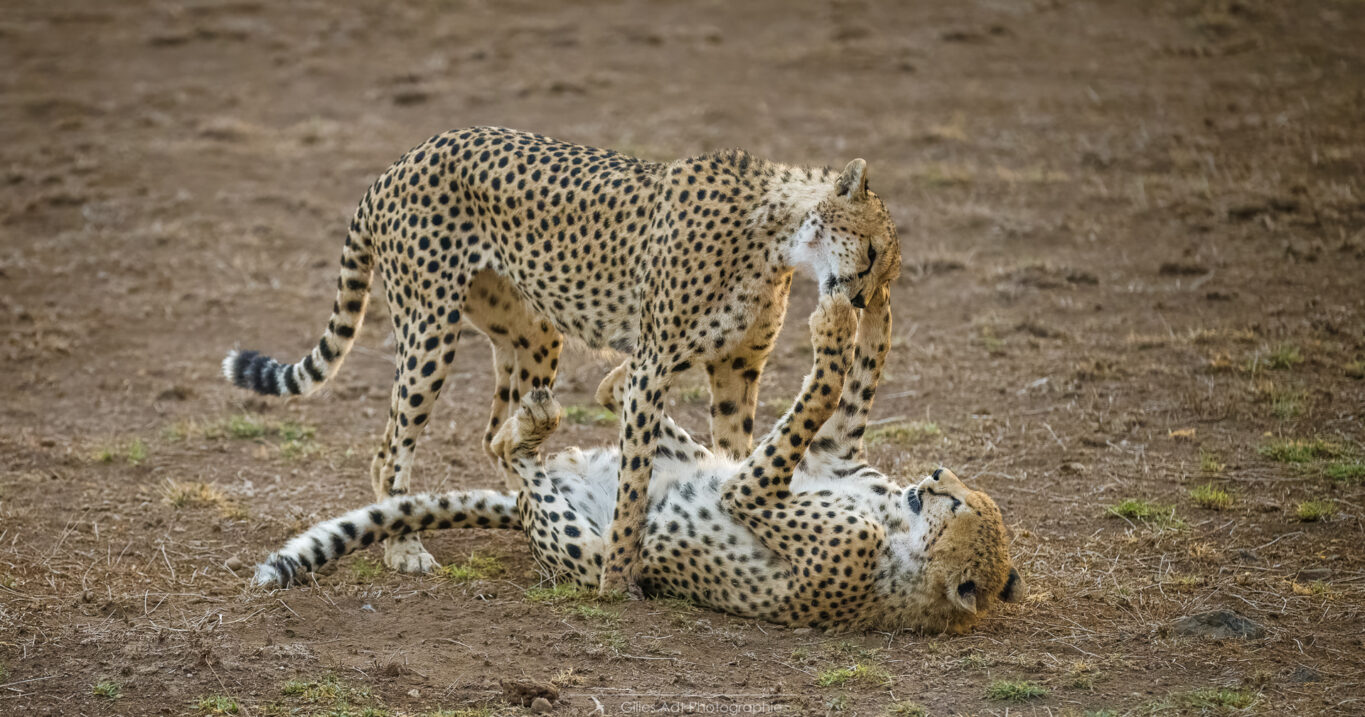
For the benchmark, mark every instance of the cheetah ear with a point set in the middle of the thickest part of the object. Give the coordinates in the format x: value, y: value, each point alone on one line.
x: 964, y: 595
x: 852, y: 183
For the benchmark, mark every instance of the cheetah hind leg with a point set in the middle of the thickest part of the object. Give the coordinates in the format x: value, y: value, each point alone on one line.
x: 520, y: 437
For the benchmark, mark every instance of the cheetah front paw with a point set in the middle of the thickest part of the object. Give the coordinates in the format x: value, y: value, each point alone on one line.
x: 833, y: 322
x: 406, y: 555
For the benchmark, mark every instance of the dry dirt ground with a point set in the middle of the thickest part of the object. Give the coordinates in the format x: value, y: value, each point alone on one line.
x: 1134, y: 237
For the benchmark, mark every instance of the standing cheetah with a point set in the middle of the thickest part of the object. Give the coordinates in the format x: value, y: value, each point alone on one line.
x: 800, y: 532
x: 679, y: 263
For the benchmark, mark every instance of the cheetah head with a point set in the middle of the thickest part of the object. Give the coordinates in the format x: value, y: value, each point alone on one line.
x: 847, y: 241
x: 955, y: 539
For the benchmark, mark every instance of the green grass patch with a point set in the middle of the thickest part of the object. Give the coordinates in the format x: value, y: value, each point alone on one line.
x: 558, y: 594
x: 906, y: 433
x: 1300, y: 450
x: 1154, y: 514
x: 614, y: 640
x: 132, y: 452
x: 1312, y: 511
x: 694, y: 394
x: 594, y: 613
x: 294, y: 439
x: 1220, y: 698
x: 1355, y: 369
x: 589, y: 415
x: 565, y: 594
x: 1348, y: 472
x: 1210, y: 463
x: 1284, y: 357
x: 477, y: 567
x: 860, y: 673
x: 1014, y: 690
x: 217, y: 705
x: 1285, y: 404
x: 364, y: 569
x: 245, y: 427
x: 780, y: 406
x: 108, y: 689
x: 1210, y: 497
x: 337, y: 697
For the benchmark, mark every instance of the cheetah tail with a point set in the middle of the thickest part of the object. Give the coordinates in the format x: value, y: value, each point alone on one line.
x: 262, y: 374
x: 390, y: 518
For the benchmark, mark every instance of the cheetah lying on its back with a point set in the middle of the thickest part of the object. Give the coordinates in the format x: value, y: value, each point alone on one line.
x: 802, y: 537
x: 681, y: 263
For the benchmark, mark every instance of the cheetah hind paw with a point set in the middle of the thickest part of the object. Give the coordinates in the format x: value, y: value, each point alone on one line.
x: 408, y: 556
x: 538, y: 416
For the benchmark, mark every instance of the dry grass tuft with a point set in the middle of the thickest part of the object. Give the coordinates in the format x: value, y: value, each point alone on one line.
x: 198, y: 494
x: 907, y: 709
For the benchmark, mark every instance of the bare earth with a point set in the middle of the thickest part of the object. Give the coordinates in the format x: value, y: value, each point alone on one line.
x: 1135, y: 247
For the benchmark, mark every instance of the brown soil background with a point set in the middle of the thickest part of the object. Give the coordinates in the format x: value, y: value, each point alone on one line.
x: 1117, y: 218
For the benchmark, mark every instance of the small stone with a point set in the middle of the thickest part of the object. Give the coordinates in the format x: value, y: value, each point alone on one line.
x: 525, y: 692
x: 1218, y: 625
x: 1304, y: 674
x: 233, y: 563
x: 1074, y: 468
x: 414, y: 693
x: 541, y: 706
x: 802, y: 631
x: 1248, y: 556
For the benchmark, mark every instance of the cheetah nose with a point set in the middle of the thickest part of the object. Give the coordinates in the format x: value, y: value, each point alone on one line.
x: 859, y: 301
